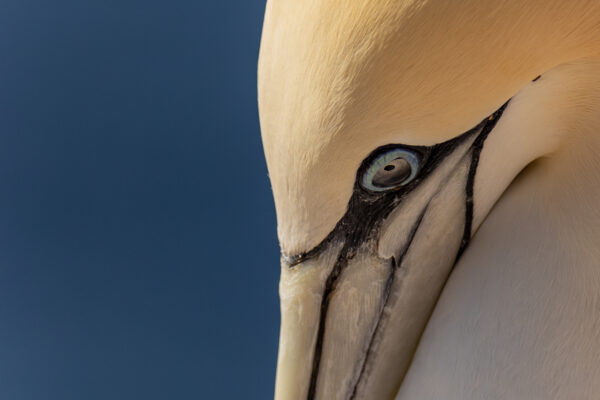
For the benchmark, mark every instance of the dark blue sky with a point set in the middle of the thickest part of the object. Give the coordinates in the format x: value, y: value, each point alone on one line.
x: 138, y: 253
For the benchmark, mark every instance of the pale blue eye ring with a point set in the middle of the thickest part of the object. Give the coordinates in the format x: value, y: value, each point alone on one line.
x: 390, y: 170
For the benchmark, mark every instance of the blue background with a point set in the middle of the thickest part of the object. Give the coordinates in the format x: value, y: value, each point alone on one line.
x: 138, y: 251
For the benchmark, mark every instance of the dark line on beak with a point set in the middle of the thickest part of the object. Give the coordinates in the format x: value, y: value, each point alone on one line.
x: 339, y: 266
x: 477, y: 148
x: 386, y: 294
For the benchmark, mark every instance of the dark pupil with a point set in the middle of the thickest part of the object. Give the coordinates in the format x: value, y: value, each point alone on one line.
x: 393, y: 174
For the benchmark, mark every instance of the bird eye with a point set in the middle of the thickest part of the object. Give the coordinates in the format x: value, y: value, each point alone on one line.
x: 390, y: 170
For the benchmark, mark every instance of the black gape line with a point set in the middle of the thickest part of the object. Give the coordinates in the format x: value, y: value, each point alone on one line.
x: 477, y: 147
x: 367, y: 210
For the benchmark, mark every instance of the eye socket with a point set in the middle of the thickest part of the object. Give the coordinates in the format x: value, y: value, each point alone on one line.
x: 390, y: 170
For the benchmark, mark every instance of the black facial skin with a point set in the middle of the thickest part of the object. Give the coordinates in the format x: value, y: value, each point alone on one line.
x: 367, y: 210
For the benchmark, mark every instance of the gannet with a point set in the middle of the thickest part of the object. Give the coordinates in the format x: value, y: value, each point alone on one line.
x: 435, y: 166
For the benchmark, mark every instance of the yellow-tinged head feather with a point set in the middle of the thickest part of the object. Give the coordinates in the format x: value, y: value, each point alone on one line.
x: 337, y: 79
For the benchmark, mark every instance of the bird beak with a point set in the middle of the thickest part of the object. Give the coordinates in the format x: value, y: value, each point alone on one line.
x: 353, y: 312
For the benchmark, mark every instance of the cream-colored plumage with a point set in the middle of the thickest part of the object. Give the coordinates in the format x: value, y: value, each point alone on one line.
x: 338, y: 80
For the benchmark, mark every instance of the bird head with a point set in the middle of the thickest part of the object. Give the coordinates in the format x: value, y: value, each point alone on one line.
x: 390, y: 129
